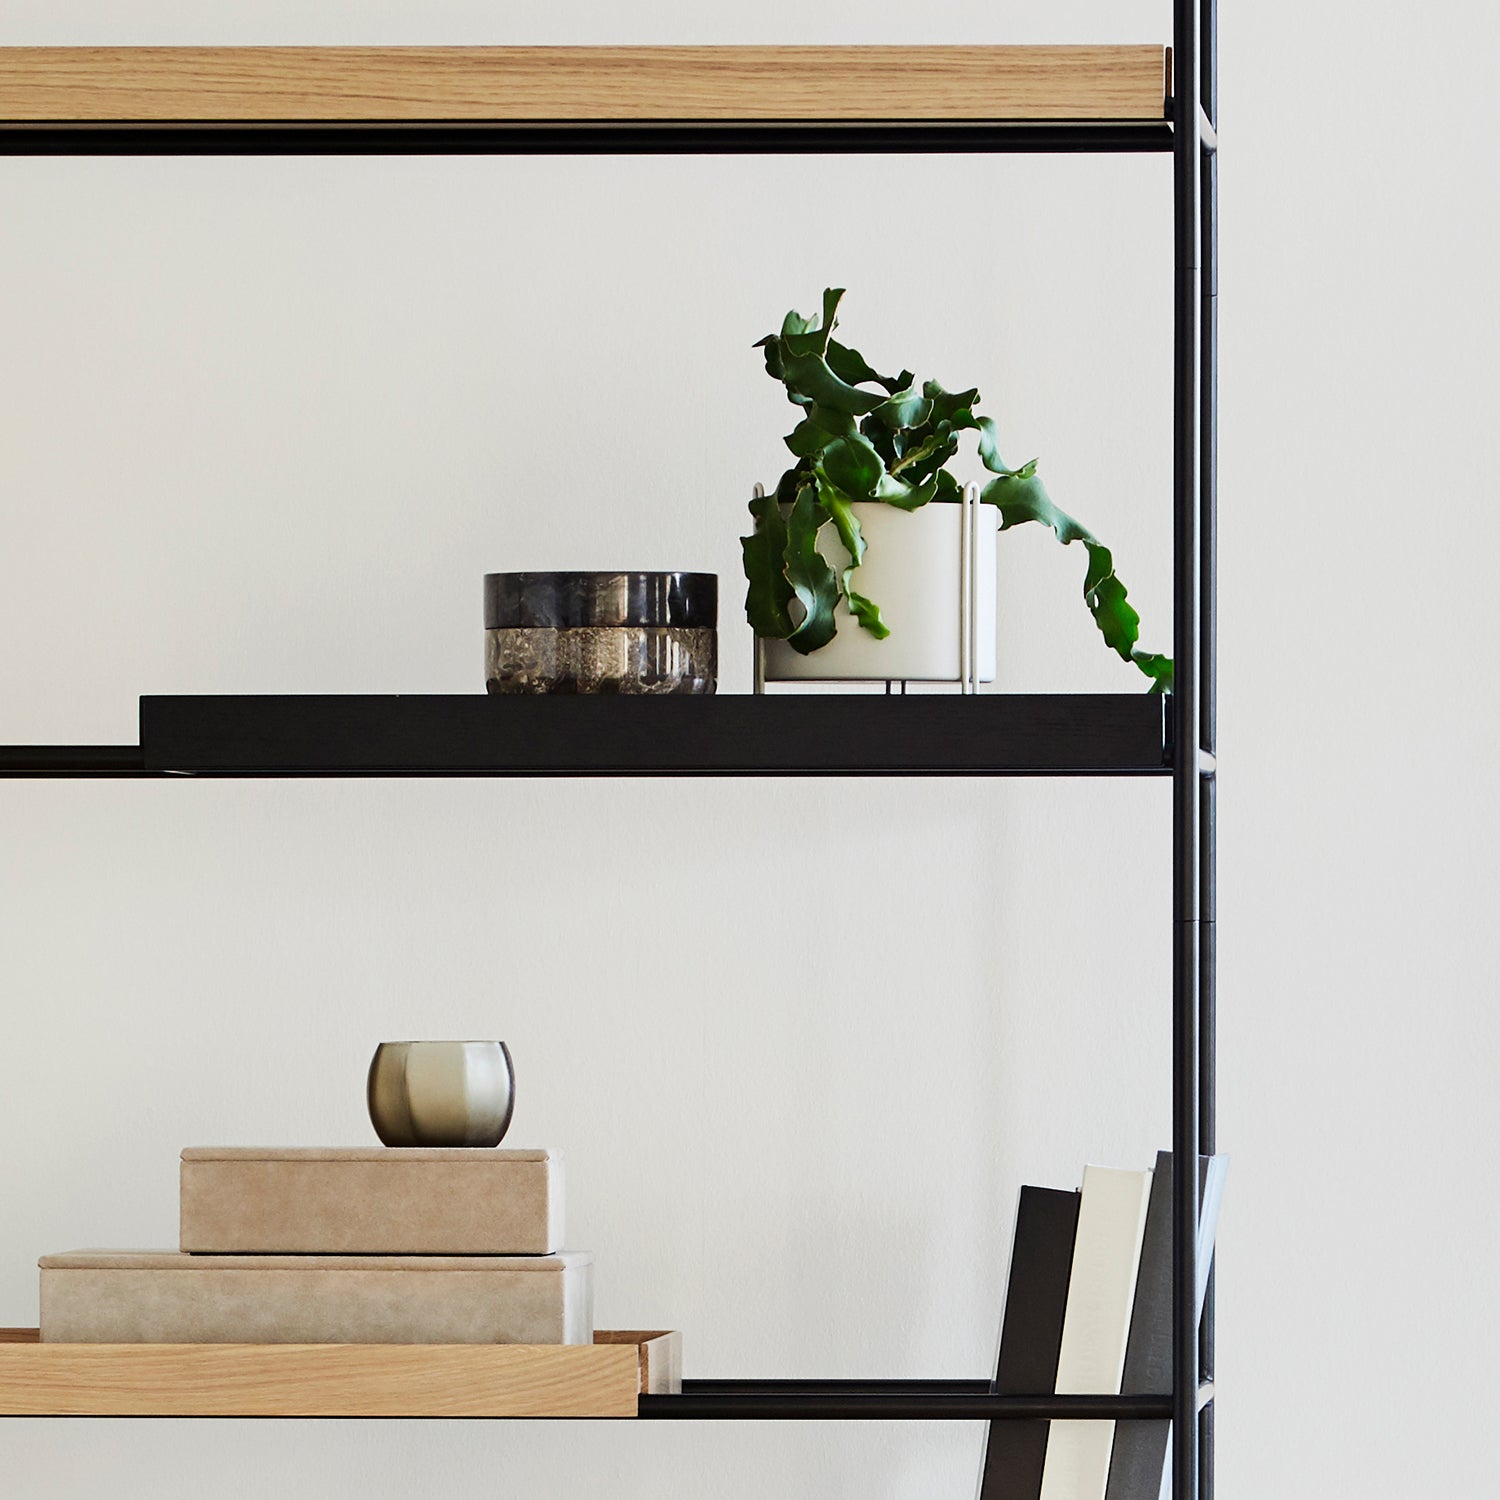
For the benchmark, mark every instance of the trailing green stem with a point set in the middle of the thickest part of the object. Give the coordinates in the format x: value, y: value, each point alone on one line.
x: 889, y: 446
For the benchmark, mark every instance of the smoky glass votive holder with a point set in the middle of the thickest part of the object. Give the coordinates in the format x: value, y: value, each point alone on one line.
x: 601, y: 632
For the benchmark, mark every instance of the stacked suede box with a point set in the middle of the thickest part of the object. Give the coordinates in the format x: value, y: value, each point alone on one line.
x: 365, y: 1246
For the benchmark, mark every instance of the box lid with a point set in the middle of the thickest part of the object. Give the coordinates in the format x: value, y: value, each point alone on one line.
x: 173, y: 1260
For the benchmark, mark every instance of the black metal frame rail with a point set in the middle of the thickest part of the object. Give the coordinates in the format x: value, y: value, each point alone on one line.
x: 887, y: 1400
x: 1191, y: 136
x: 579, y: 138
x: 896, y: 1400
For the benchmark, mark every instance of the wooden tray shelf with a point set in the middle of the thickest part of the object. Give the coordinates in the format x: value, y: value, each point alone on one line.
x: 327, y: 84
x: 337, y: 1380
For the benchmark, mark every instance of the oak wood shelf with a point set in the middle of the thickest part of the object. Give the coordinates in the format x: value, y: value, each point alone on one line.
x: 347, y: 84
x: 605, y: 1379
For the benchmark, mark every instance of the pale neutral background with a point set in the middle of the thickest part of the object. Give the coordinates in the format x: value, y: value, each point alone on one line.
x: 263, y: 425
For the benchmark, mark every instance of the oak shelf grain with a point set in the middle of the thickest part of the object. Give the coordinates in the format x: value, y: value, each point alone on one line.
x: 560, y: 84
x: 605, y: 1379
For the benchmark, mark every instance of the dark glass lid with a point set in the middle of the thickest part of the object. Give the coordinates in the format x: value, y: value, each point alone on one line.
x: 566, y: 601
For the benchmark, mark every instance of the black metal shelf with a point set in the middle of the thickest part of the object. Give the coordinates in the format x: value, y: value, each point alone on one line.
x: 772, y: 735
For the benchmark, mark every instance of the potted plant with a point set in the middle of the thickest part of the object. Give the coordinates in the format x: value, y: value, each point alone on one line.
x: 870, y: 501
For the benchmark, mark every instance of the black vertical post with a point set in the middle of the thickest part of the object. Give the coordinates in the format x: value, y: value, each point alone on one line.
x: 1187, y: 507
x: 1208, y: 675
x: 1208, y: 59
x: 1208, y: 795
x: 1208, y: 438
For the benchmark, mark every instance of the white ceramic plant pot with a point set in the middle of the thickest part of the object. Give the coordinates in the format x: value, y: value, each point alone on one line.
x: 913, y: 571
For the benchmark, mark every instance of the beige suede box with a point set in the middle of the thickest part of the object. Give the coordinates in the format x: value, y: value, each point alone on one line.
x: 163, y: 1297
x: 371, y: 1201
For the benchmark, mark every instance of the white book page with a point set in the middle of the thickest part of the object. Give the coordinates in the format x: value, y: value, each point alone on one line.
x: 1096, y: 1326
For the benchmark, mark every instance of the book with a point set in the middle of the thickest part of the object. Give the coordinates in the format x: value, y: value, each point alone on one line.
x: 1041, y: 1260
x: 1141, y: 1460
x: 371, y: 1201
x: 165, y: 1297
x: 1096, y: 1326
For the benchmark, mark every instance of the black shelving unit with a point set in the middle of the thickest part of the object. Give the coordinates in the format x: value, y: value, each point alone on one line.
x: 929, y: 735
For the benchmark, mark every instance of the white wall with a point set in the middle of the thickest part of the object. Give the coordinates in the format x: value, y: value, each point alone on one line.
x: 265, y: 424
